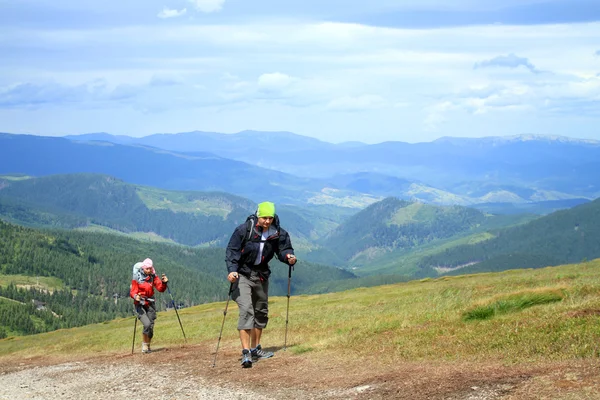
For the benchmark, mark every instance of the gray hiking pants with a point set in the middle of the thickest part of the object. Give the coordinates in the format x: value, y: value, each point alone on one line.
x: 146, y: 315
x: 251, y: 296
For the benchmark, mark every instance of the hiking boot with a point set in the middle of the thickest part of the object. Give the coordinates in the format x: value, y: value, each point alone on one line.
x: 258, y: 353
x: 146, y: 348
x: 246, y: 359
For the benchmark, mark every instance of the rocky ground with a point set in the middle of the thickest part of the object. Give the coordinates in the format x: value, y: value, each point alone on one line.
x: 187, y: 373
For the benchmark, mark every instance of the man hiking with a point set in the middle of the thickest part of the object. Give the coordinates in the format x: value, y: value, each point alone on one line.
x: 251, y: 247
x: 142, y: 291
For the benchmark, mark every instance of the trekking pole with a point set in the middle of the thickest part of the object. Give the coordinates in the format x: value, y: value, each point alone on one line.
x: 134, y: 328
x: 287, y: 313
x: 175, y: 307
x: 222, y: 324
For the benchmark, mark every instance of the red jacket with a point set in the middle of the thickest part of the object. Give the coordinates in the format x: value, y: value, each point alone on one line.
x: 146, y: 287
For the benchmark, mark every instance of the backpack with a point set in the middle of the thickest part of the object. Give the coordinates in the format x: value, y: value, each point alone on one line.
x: 137, y: 271
x: 251, y: 223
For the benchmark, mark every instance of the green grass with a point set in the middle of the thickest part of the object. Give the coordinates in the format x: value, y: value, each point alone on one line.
x: 189, y: 202
x: 513, y: 303
x: 342, y: 198
x: 405, y: 215
x: 539, y: 315
x: 40, y: 282
x: 7, y: 300
x: 142, y: 236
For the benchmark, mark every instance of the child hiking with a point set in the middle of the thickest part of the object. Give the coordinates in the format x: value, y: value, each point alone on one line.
x: 142, y: 292
x: 251, y: 246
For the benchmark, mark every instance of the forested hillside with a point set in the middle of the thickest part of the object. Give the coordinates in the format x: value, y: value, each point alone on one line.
x: 186, y: 217
x: 82, y: 199
x: 95, y: 268
x: 398, y: 224
x: 561, y: 237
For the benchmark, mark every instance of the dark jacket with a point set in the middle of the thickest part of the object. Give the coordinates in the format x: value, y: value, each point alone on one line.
x: 242, y: 260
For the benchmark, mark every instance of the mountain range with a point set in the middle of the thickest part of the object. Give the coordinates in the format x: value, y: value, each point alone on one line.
x: 294, y: 169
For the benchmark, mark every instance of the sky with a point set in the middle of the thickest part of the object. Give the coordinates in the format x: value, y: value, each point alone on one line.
x: 337, y: 70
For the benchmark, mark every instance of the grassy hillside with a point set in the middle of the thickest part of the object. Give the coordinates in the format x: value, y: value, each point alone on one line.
x: 515, y: 316
x: 563, y: 236
x: 391, y: 227
x: 393, y: 223
x: 407, y: 262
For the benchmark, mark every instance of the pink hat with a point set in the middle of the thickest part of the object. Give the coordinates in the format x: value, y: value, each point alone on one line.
x: 147, y: 263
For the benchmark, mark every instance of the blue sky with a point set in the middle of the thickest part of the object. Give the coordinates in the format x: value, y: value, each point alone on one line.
x: 374, y: 71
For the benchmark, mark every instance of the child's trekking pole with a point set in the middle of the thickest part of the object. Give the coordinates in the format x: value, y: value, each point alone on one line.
x: 287, y: 313
x: 134, y: 328
x: 223, y: 323
x: 175, y: 307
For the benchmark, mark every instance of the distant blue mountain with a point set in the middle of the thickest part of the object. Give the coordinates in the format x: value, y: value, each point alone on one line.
x: 39, y: 156
x: 103, y: 136
x: 558, y: 166
x: 245, y: 143
x: 299, y: 169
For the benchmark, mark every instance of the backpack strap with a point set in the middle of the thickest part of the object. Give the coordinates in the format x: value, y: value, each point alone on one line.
x: 250, y: 222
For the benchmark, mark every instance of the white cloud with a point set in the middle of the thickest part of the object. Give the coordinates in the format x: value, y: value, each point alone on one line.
x: 274, y: 81
x: 169, y: 13
x: 208, y: 6
x: 552, y: 97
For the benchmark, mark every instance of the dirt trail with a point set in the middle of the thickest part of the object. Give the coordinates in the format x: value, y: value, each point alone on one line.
x: 187, y: 373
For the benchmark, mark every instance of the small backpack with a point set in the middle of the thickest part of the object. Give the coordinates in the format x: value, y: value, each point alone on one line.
x: 251, y: 223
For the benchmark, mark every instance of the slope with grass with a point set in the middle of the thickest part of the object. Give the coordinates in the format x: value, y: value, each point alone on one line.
x: 517, y: 333
x: 554, y: 310
x: 563, y: 236
x: 381, y: 232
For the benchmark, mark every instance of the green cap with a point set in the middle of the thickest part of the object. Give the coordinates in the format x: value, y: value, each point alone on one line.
x: 266, y: 209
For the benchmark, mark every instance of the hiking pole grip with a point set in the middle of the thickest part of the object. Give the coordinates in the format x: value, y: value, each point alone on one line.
x: 222, y: 324
x: 176, y: 313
